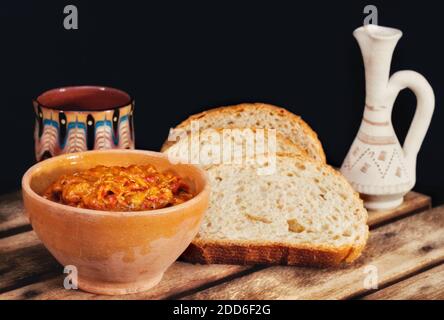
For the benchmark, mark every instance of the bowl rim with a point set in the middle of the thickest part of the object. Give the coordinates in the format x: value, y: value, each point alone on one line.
x: 37, y: 100
x: 26, y: 186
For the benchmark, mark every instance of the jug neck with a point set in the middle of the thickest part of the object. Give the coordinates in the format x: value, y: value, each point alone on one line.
x: 377, y: 46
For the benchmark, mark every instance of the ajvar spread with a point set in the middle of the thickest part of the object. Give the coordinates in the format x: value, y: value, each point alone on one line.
x: 133, y: 188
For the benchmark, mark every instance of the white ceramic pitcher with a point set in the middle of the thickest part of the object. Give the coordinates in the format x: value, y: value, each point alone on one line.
x: 376, y: 164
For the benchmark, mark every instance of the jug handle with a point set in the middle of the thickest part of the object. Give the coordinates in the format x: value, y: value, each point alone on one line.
x: 424, y: 110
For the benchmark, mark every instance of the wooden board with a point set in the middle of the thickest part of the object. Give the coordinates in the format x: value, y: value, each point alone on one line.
x: 413, y: 202
x: 395, y: 250
x: 427, y: 285
x: 12, y: 216
x: 29, y: 271
x: 23, y: 260
x: 177, y: 280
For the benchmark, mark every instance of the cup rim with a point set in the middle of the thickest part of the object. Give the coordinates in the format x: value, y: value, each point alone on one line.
x: 26, y: 187
x: 129, y: 101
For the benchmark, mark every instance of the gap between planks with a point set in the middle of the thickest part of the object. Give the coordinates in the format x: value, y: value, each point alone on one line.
x: 180, y: 280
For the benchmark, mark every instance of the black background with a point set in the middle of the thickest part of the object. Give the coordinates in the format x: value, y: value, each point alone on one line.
x: 179, y: 58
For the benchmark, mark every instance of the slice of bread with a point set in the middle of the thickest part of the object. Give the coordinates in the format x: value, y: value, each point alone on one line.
x: 215, y: 145
x: 304, y: 214
x: 258, y: 115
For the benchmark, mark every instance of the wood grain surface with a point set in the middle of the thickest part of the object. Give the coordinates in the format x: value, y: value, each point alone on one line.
x: 413, y: 202
x: 427, y: 285
x: 23, y: 260
x: 28, y: 271
x: 395, y: 250
x: 178, y: 279
x: 12, y: 215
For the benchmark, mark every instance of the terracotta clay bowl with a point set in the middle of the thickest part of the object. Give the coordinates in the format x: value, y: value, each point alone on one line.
x: 114, y: 252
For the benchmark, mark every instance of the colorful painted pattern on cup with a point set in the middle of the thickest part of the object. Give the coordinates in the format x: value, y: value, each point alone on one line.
x: 58, y: 131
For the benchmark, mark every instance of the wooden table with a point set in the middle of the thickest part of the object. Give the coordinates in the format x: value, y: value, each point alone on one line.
x: 406, y: 248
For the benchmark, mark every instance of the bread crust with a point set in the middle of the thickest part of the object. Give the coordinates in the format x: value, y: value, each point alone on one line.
x: 250, y: 253
x: 254, y: 106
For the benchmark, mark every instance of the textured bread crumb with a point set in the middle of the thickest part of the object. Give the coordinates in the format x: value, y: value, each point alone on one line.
x: 303, y: 203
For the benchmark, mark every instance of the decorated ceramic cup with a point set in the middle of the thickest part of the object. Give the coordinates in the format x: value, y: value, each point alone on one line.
x: 74, y: 119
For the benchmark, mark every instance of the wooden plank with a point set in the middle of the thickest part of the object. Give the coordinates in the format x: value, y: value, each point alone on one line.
x: 428, y: 285
x: 413, y: 202
x: 395, y: 250
x: 23, y: 260
x: 180, y: 277
x: 37, y: 265
x: 19, y: 241
x: 12, y: 214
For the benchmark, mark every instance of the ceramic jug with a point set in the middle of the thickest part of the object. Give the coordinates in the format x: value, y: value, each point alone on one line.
x: 376, y: 164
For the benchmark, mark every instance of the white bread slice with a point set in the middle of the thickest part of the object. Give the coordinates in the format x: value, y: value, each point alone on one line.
x: 259, y: 115
x: 213, y: 144
x: 305, y: 214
